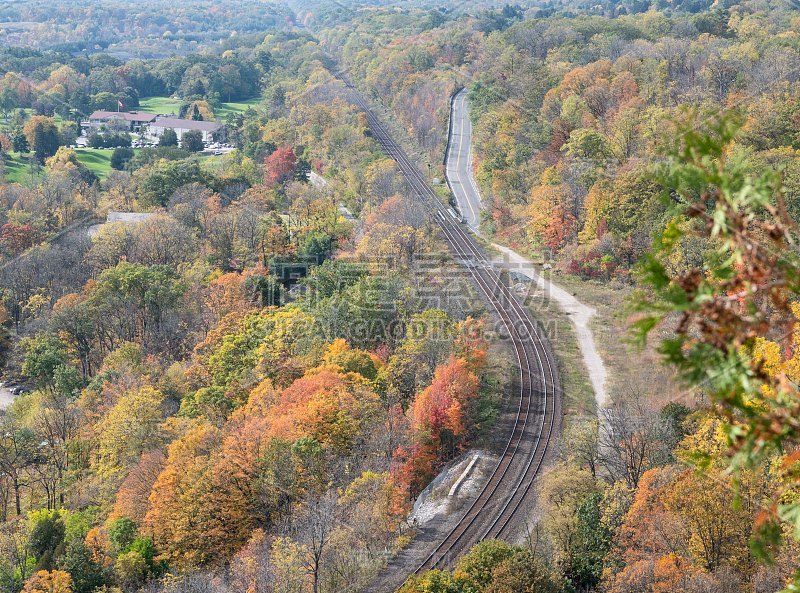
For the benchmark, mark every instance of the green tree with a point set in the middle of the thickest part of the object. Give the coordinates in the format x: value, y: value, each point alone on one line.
x: 95, y: 140
x: 209, y: 402
x: 194, y: 113
x: 44, y: 354
x: 231, y: 79
x: 20, y: 143
x: 332, y: 277
x: 120, y: 157
x: 587, y: 144
x: 42, y: 136
x: 192, y: 141
x: 45, y: 533
x: 121, y: 533
x: 9, y: 99
x: 157, y: 182
x: 77, y: 560
x: 592, y: 543
x: 316, y: 245
x: 136, y: 300
x: 145, y: 548
x: 168, y: 138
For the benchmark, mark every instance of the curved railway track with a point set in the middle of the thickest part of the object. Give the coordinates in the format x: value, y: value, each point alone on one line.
x: 492, y: 513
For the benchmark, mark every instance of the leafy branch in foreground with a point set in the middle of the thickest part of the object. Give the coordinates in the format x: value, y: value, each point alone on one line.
x: 717, y: 315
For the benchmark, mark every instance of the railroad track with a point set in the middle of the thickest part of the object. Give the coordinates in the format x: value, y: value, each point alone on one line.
x: 492, y: 513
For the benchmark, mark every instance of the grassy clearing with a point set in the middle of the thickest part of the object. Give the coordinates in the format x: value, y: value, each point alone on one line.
x: 6, y: 127
x: 630, y: 368
x: 575, y: 383
x: 97, y: 161
x: 170, y: 105
x: 236, y: 107
x: 159, y: 105
x: 16, y: 167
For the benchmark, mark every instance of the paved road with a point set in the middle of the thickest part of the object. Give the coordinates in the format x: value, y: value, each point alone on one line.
x: 462, y: 182
x: 459, y: 162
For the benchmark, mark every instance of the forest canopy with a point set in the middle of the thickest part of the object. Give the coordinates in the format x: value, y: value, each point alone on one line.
x: 234, y: 362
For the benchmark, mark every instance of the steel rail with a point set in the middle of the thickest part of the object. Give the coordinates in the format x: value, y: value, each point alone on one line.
x: 514, y: 318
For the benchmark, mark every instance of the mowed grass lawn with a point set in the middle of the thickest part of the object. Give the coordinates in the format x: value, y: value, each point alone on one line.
x: 96, y: 160
x: 17, y: 166
x: 170, y: 105
x: 159, y: 105
x: 237, y: 107
x: 5, y: 127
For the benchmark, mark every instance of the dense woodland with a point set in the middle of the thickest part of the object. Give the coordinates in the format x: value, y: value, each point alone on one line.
x: 584, y: 155
x: 171, y: 344
x: 127, y: 29
x: 199, y: 423
x: 569, y: 111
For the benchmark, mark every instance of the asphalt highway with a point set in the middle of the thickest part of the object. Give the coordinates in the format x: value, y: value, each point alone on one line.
x: 459, y: 162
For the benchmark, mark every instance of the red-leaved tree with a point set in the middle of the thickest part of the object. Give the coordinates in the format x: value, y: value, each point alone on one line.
x: 439, y: 418
x: 16, y: 238
x: 280, y: 165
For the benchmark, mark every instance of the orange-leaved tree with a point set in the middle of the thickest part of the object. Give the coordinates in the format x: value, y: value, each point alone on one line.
x: 440, y: 416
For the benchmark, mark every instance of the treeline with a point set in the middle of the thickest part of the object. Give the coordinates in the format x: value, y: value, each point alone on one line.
x: 71, y: 87
x: 134, y: 29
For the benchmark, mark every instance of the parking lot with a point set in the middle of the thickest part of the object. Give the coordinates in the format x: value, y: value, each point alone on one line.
x: 210, y: 149
x: 6, y: 397
x: 8, y: 391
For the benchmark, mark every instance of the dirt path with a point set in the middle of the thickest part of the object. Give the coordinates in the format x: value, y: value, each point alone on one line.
x: 579, y: 314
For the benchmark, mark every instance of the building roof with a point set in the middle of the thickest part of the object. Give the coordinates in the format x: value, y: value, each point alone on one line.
x: 187, y: 124
x: 125, y: 115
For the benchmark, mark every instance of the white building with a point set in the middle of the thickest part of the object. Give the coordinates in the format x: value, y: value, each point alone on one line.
x: 132, y: 121
x: 211, y: 130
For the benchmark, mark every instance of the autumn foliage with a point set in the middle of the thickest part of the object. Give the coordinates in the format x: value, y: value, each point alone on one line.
x: 440, y: 417
x: 280, y: 165
x: 16, y: 238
